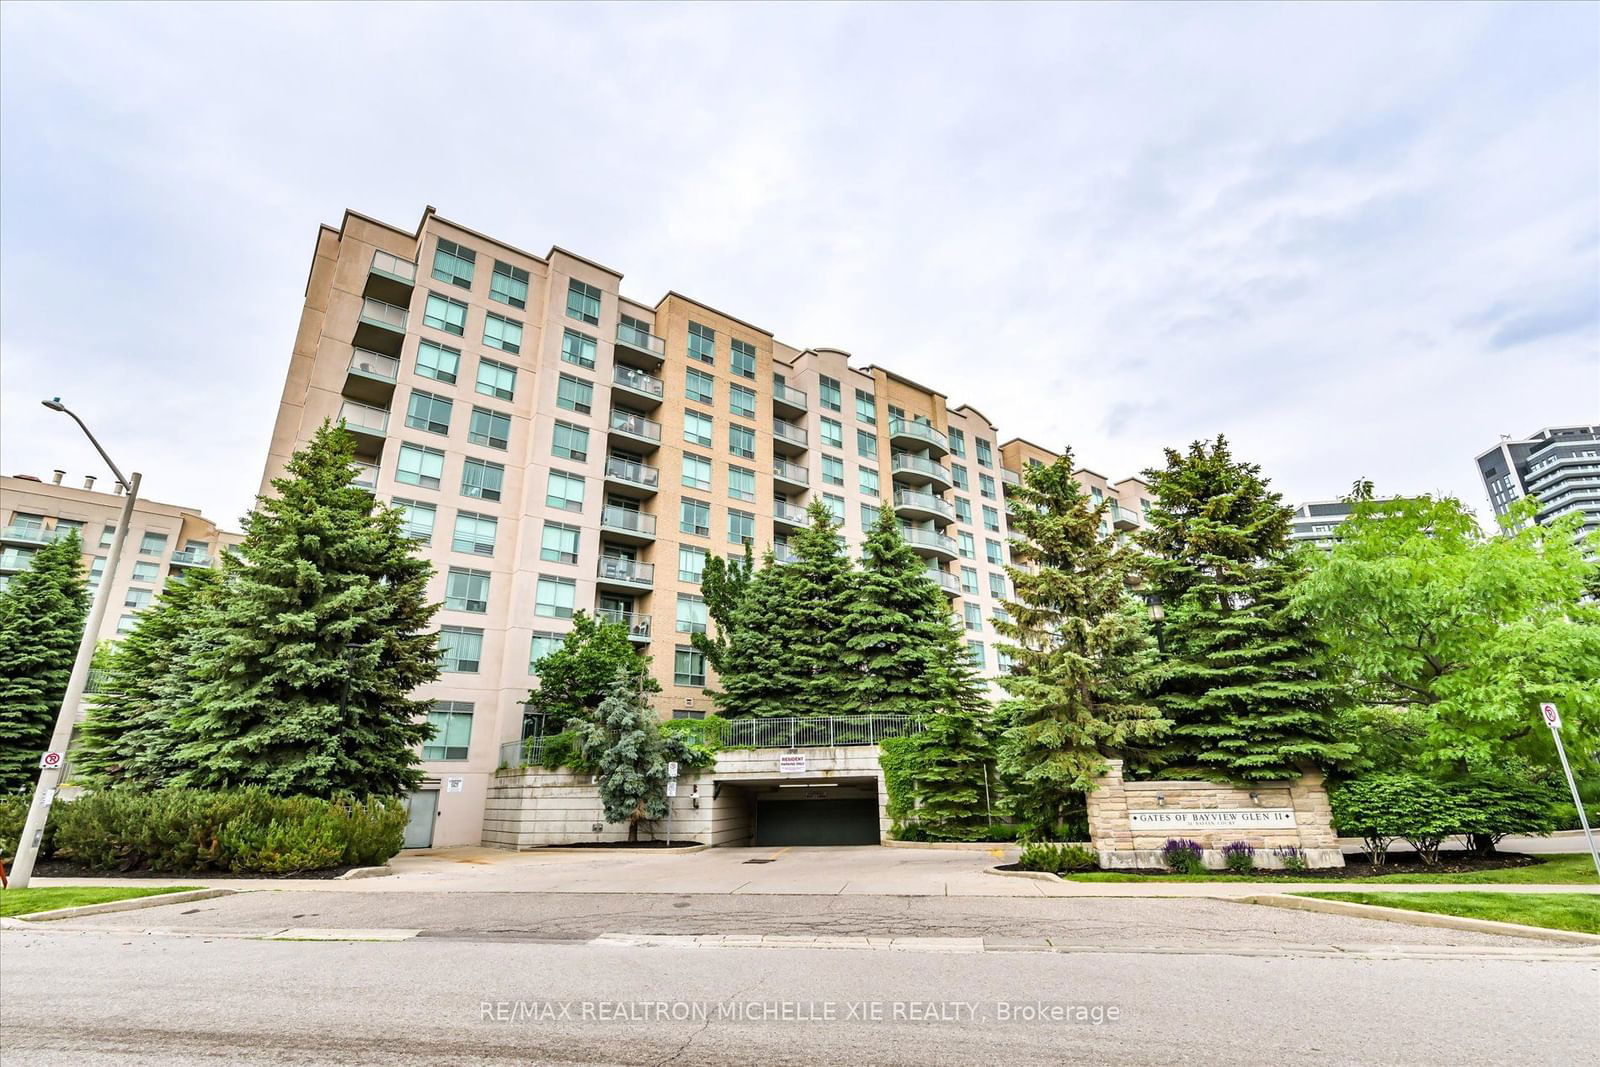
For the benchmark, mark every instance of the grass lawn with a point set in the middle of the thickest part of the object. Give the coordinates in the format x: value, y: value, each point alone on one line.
x: 1557, y: 911
x: 1572, y: 869
x: 27, y: 901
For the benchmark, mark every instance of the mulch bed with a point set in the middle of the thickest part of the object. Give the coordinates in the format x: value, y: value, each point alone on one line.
x: 68, y: 869
x: 1360, y: 866
x: 618, y: 845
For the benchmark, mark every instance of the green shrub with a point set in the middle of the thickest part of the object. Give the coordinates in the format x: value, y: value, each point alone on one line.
x: 1488, y: 807
x: 1056, y: 858
x: 1291, y: 858
x: 1381, y: 807
x: 1565, y: 816
x: 562, y: 751
x: 374, y: 830
x: 14, y: 816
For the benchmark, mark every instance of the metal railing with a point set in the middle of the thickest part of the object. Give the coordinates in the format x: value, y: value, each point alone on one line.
x: 615, y: 518
x: 788, y: 431
x: 906, y: 498
x: 905, y: 461
x: 626, y: 570
x: 638, y: 624
x: 392, y: 265
x: 380, y: 313
x: 790, y: 472
x: 636, y: 425
x: 919, y: 431
x: 637, y: 380
x: 784, y: 511
x: 788, y: 395
x: 640, y: 339
x: 374, y: 364
x: 928, y: 539
x: 355, y: 414
x: 627, y: 470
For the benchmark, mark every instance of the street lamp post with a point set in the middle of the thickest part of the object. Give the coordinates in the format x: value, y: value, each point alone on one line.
x: 44, y: 794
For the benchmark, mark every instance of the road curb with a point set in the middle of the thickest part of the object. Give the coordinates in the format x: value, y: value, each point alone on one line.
x: 957, y: 846
x: 366, y: 872
x: 132, y: 904
x: 1349, y: 909
x: 557, y: 850
x: 1037, y: 876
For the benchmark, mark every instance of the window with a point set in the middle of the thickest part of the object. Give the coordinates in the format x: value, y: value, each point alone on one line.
x: 419, y: 466
x: 986, y: 486
x: 564, y: 491
x: 439, y: 362
x: 867, y: 444
x: 1002, y: 661
x: 137, y: 598
x: 869, y: 516
x: 696, y: 472
x: 554, y: 598
x: 968, y: 545
x: 992, y: 552
x: 963, y: 509
x: 466, y: 590
x: 508, y: 285
x: 145, y: 571
x: 742, y: 401
x: 958, y: 475
x: 691, y: 563
x: 997, y: 585
x: 699, y: 387
x: 583, y: 303
x: 570, y: 442
x: 578, y: 349
x: 744, y: 359
x: 492, y: 428
x: 697, y: 428
x: 691, y: 614
x: 741, y: 483
x: 835, y: 506
x: 832, y: 432
x: 474, y: 533
x: 975, y: 650
x: 97, y: 567
x: 741, y: 527
x: 702, y: 343
x: 452, y: 730
x: 991, y: 519
x: 496, y: 379
x: 126, y: 623
x: 502, y: 333
x: 543, y: 644
x: 153, y: 544
x: 460, y: 649
x: 425, y: 411
x: 694, y: 517
x: 453, y: 264
x: 416, y: 519
x: 574, y: 394
x: 828, y: 394
x: 482, y: 479
x: 866, y: 407
x: 833, y: 470
x: 106, y: 534
x: 741, y: 441
x: 688, y: 667
x: 958, y: 441
x: 985, y: 455
x: 868, y: 481
x: 559, y: 543
x: 445, y: 314
x: 974, y: 615
x: 969, y: 580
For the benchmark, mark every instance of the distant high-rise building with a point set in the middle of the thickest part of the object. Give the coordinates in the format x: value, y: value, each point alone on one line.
x: 1559, y: 466
x: 1316, y: 521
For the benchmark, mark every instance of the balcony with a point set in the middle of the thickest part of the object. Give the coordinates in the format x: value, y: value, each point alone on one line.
x: 646, y: 388
x: 34, y: 535
x: 787, y: 516
x: 790, y: 474
x: 1010, y: 479
x: 628, y: 478
x: 910, y: 434
x: 788, y: 438
x: 370, y: 377
x: 945, y: 581
x: 381, y: 327
x: 390, y: 278
x: 627, y: 526
x: 1122, y: 519
x: 783, y: 554
x: 639, y: 348
x: 915, y: 505
x: 629, y: 428
x: 15, y: 559
x: 191, y: 557
x: 629, y: 574
x: 930, y: 544
x: 915, y: 470
x: 366, y: 476
x: 369, y: 425
x: 638, y: 624
x: 787, y: 400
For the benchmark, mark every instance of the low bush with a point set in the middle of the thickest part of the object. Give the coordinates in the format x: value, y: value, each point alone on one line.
x: 1239, y: 857
x: 1381, y: 807
x: 13, y: 816
x: 1290, y: 858
x: 1056, y: 858
x: 1562, y: 816
x: 1183, y: 856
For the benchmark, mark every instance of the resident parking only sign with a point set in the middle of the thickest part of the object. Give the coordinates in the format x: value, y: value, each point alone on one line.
x: 792, y: 763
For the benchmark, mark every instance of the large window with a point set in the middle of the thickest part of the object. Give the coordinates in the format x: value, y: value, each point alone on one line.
x: 496, y: 379
x: 963, y: 509
x: 466, y: 590
x: 564, y: 491
x: 986, y: 486
x: 442, y: 313
x: 958, y: 441
x: 866, y: 407
x: 542, y: 645
x: 975, y: 650
x: 425, y: 411
x: 867, y: 444
x: 460, y: 649
x: 741, y: 401
x: 702, y: 343
x: 828, y: 393
x: 958, y: 475
x: 578, y: 349
x: 583, y: 302
x: 482, y: 479
x: 744, y: 359
x: 137, y: 598
x: 559, y: 543
x: 145, y: 570
x: 832, y: 432
x: 688, y: 667
x: 832, y: 470
x: 969, y: 581
x: 452, y: 263
x: 835, y: 506
x: 741, y: 441
x: 696, y: 472
x: 416, y: 465
x: 741, y: 527
x: 502, y: 333
x: 691, y: 614
x: 967, y: 546
x: 574, y: 394
x: 973, y: 614
x: 492, y: 428
x: 691, y: 563
x: 697, y: 428
x: 997, y: 585
x: 509, y: 285
x: 991, y: 519
x: 985, y: 454
x: 868, y: 479
x: 452, y: 730
x: 474, y: 533
x: 699, y: 386
x: 992, y: 552
x: 555, y: 598
x: 153, y: 544
x: 694, y: 517
x: 570, y: 442
x: 416, y: 519
x: 439, y: 362
x: 741, y: 483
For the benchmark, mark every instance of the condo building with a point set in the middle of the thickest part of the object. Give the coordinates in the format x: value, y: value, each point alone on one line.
x: 165, y: 540
x: 557, y: 446
x: 1559, y: 465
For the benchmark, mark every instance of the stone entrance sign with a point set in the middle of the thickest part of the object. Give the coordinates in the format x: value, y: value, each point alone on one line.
x: 1248, y: 819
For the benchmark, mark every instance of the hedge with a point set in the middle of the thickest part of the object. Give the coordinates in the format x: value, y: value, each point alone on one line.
x: 1378, y: 808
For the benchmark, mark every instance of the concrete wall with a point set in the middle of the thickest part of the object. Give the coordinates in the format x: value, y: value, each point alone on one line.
x: 1121, y: 845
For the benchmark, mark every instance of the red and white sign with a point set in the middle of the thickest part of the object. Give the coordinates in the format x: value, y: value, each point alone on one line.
x: 1552, y: 717
x: 52, y: 761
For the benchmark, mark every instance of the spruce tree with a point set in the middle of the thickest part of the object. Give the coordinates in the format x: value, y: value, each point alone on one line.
x: 624, y: 744
x: 128, y: 736
x: 576, y: 677
x: 1081, y: 655
x: 1247, y: 685
x: 42, y: 614
x: 316, y: 643
x: 722, y: 585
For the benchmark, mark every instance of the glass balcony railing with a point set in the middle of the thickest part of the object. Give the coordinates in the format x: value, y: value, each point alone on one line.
x: 635, y: 425
x: 392, y: 265
x: 905, y: 461
x: 643, y: 340
x: 35, y: 535
x: 789, y: 395
x: 918, y: 538
x: 191, y: 557
x: 615, y: 518
x: 366, y: 475
x: 627, y: 470
x: 638, y: 624
x: 919, y: 431
x: 946, y: 581
x: 907, y: 500
x: 382, y: 314
x: 788, y: 431
x: 626, y: 570
x: 637, y: 380
x: 374, y: 365
x: 790, y: 472
x: 784, y: 511
x: 359, y: 416
x: 1010, y: 477
x: 15, y: 559
x: 783, y: 554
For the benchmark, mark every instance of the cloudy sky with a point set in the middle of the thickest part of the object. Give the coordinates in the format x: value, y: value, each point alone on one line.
x: 1360, y: 240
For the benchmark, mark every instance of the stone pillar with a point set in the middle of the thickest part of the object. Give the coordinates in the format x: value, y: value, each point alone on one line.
x: 1107, y: 805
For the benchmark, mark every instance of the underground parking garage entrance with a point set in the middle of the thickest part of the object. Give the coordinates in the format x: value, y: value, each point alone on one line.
x: 832, y: 811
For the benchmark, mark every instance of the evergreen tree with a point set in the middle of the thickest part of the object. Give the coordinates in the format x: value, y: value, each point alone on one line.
x: 722, y: 585
x: 624, y: 744
x: 949, y: 764
x: 1081, y: 655
x: 303, y: 681
x: 575, y: 678
x: 1246, y: 686
x: 128, y: 735
x: 42, y: 614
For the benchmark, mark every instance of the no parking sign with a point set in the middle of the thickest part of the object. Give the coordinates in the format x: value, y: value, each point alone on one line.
x: 52, y: 761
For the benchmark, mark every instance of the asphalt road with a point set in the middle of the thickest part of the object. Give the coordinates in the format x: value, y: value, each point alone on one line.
x: 102, y: 997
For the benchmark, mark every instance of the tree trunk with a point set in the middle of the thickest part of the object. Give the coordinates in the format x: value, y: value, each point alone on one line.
x: 1482, y: 844
x: 633, y: 831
